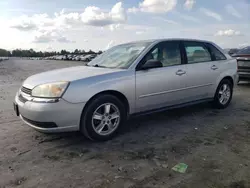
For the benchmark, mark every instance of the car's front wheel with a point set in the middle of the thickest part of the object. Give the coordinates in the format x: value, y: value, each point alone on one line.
x: 223, y: 95
x: 102, y: 118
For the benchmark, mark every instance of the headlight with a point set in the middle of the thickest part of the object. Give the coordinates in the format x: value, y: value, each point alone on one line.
x: 50, y: 90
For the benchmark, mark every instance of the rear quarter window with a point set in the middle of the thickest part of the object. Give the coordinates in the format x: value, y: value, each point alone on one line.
x: 216, y: 54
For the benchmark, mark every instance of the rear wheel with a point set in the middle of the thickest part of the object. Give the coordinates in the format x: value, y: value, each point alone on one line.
x: 223, y: 95
x: 102, y: 118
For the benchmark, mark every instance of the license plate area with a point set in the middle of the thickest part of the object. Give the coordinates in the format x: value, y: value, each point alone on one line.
x: 16, y: 109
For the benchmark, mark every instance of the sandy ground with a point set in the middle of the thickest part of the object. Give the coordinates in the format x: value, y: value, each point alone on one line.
x: 215, y: 144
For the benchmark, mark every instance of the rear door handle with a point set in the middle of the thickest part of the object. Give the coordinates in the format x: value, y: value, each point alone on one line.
x: 214, y: 67
x: 180, y: 72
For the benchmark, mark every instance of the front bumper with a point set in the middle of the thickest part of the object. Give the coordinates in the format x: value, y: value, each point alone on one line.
x: 64, y: 116
x: 244, y: 75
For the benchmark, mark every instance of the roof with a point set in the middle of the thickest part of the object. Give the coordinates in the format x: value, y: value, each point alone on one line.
x: 168, y: 39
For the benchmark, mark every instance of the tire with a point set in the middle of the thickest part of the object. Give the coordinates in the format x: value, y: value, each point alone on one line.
x: 108, y: 124
x: 219, y: 102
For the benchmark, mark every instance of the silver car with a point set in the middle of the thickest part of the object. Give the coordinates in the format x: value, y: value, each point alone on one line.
x: 129, y: 79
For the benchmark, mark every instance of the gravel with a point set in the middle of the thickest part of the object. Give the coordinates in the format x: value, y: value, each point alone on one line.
x: 215, y: 144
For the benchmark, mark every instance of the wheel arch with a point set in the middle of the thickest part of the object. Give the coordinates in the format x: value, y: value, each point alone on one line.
x: 117, y: 94
x: 228, y: 78
x: 216, y: 101
x: 220, y: 79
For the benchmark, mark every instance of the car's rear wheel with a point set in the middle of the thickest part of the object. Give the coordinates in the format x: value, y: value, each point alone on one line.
x: 102, y: 118
x: 223, y: 95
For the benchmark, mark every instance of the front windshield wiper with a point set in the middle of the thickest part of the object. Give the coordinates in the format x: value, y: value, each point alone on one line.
x: 96, y: 65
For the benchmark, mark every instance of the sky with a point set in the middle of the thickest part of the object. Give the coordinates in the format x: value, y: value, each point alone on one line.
x: 49, y: 25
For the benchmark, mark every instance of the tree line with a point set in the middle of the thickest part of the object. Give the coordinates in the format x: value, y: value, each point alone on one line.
x: 33, y: 53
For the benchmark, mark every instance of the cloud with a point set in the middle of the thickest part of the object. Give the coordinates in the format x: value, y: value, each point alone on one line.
x: 50, y: 36
x: 229, y: 33
x: 63, y: 39
x: 44, y: 37
x: 137, y: 29
x: 93, y: 16
x: 43, y: 21
x: 170, y: 22
x: 25, y: 23
x: 139, y: 32
x: 154, y: 6
x: 212, y: 14
x: 62, y: 19
x: 114, y: 27
x: 187, y: 17
x: 24, y: 26
x: 96, y: 17
x: 133, y: 10
x: 118, y: 13
x: 189, y: 4
x: 166, y: 20
x: 231, y: 10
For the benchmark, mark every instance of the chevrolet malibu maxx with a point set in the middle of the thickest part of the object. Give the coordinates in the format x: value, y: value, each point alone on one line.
x: 128, y: 79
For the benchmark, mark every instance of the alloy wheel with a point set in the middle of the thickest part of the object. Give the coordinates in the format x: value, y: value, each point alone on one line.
x: 224, y: 94
x: 106, y: 119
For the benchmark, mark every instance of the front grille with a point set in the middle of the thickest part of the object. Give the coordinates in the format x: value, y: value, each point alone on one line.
x: 40, y: 124
x: 242, y: 61
x: 26, y: 90
x: 22, y: 99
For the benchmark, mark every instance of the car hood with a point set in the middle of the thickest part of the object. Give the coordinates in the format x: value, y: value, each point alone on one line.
x: 242, y: 55
x: 66, y: 74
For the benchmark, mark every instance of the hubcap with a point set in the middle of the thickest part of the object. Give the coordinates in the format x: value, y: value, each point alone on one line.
x: 106, y: 119
x: 224, y: 94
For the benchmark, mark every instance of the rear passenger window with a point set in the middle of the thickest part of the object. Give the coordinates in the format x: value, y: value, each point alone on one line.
x: 197, y: 52
x: 216, y: 53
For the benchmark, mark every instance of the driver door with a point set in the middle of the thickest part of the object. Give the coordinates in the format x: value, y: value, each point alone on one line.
x: 164, y: 86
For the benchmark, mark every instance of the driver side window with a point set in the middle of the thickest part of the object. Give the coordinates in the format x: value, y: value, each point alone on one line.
x: 168, y: 53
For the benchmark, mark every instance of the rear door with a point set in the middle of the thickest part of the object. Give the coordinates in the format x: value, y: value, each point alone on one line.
x: 202, y: 71
x: 219, y: 62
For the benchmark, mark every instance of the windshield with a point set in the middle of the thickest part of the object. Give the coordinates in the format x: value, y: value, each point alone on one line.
x: 121, y: 56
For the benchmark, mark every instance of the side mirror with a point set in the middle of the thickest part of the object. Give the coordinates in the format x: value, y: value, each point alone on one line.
x: 152, y: 63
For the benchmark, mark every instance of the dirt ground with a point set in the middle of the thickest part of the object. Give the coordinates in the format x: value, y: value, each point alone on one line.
x: 215, y: 144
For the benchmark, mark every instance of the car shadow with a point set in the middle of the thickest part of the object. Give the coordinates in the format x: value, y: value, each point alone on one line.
x: 136, y: 130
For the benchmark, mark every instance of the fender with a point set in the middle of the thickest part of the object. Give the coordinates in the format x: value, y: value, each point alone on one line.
x: 88, y: 87
x: 231, y: 72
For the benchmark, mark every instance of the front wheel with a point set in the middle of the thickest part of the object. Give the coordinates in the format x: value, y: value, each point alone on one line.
x: 102, y: 118
x: 223, y: 95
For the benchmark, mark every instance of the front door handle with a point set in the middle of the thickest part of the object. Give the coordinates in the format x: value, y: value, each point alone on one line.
x: 180, y: 72
x: 214, y: 67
